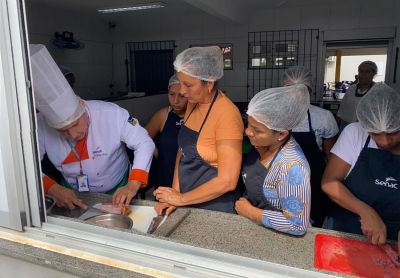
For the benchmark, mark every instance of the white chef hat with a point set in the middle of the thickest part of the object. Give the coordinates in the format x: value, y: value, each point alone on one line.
x: 54, y: 97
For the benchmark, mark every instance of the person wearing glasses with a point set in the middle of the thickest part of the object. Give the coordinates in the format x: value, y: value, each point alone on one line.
x: 85, y: 140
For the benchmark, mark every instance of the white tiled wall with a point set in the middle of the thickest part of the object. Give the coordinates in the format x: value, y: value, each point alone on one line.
x: 196, y: 28
x: 91, y: 65
x: 203, y: 28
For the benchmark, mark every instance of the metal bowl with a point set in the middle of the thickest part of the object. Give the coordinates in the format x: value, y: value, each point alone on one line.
x: 112, y: 220
x: 50, y: 203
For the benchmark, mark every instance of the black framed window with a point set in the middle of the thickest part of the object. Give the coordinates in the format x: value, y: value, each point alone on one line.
x: 271, y: 52
x: 149, y: 66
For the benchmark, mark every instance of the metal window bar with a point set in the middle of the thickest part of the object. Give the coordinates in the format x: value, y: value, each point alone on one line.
x: 162, y: 70
x: 271, y: 52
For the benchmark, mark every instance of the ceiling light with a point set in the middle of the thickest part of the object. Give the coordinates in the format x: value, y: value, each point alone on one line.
x: 144, y: 6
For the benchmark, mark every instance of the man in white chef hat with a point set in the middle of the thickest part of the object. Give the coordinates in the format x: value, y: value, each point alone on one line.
x: 85, y: 140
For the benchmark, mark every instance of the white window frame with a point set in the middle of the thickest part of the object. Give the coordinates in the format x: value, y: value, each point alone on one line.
x: 17, y: 137
x: 142, y: 254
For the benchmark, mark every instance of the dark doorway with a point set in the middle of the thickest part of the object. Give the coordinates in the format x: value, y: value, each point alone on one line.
x: 150, y: 66
x: 153, y: 68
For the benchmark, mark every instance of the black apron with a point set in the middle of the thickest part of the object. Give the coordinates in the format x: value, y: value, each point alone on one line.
x: 194, y: 171
x: 319, y: 200
x: 167, y: 148
x: 254, y: 174
x: 375, y: 179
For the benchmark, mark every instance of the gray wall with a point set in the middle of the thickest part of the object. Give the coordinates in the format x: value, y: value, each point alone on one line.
x: 201, y: 28
x: 93, y: 64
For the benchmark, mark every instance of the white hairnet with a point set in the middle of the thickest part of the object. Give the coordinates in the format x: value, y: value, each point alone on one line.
x: 54, y: 97
x: 173, y: 80
x: 204, y: 63
x: 378, y: 111
x: 281, y: 108
x: 297, y: 75
x: 371, y: 65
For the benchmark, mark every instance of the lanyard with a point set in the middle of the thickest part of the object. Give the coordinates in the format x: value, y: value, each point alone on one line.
x: 77, y: 154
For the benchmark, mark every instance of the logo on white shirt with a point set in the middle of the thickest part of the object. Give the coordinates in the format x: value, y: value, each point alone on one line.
x: 389, y: 182
x: 98, y: 152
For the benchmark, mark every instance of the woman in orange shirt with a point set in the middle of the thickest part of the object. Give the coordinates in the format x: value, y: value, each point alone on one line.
x: 210, y: 141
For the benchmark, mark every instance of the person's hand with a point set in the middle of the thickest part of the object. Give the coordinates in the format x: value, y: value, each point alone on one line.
x: 65, y: 197
x: 125, y: 194
x: 243, y: 207
x: 160, y: 207
x: 373, y: 227
x: 168, y: 195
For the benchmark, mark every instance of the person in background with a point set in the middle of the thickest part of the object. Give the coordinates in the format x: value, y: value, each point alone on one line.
x: 85, y: 140
x: 276, y: 172
x: 210, y: 140
x: 347, y: 110
x: 165, y: 125
x: 362, y: 176
x: 316, y: 135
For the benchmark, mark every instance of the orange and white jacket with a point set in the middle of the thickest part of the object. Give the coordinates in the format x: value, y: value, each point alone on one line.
x: 103, y: 155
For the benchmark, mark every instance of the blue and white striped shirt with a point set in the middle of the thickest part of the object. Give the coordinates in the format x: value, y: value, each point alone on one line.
x: 288, y: 192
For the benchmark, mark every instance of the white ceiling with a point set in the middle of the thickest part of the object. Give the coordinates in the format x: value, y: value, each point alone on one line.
x: 230, y: 10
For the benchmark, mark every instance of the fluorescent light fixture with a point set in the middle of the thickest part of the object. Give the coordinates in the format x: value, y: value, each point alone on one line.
x: 137, y: 7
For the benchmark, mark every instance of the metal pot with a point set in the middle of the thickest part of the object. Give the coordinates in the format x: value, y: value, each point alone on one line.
x: 112, y: 220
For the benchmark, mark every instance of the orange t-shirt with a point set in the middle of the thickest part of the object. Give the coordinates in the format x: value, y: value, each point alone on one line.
x: 223, y: 123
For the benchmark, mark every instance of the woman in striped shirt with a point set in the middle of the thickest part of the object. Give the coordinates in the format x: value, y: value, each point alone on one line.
x: 276, y: 173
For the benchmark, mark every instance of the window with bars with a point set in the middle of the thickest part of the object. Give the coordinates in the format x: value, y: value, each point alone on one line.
x: 271, y: 52
x: 149, y: 66
x: 227, y: 51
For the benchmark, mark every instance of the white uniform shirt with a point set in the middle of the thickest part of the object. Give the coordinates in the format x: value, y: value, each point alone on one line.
x: 350, y: 143
x: 110, y: 126
x: 323, y: 123
x: 348, y: 105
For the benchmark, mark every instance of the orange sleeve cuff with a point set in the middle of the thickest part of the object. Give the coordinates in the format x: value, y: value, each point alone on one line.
x: 139, y: 175
x: 47, y: 183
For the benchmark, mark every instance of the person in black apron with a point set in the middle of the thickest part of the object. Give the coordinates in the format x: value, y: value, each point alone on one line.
x: 319, y: 200
x: 164, y: 128
x: 368, y: 198
x: 275, y: 172
x: 197, y: 182
x: 307, y: 141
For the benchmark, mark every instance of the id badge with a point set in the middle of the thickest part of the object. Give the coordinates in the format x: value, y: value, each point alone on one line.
x: 83, y: 183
